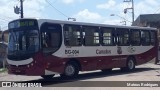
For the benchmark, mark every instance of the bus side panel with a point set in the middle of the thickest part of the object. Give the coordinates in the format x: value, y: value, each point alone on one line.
x: 55, y: 64
x: 146, y: 56
x: 111, y: 62
x: 88, y: 63
x: 103, y: 62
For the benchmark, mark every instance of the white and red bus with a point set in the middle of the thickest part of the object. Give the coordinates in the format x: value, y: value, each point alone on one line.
x: 41, y: 47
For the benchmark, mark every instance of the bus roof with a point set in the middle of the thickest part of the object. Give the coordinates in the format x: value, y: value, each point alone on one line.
x: 88, y: 24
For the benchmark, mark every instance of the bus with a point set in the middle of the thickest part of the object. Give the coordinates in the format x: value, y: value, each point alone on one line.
x: 43, y: 47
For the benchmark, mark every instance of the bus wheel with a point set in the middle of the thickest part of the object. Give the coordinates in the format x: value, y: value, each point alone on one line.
x: 71, y: 70
x: 130, y: 65
x: 47, y: 77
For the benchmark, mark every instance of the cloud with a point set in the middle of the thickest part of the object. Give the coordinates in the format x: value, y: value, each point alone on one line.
x: 6, y: 13
x: 141, y: 7
x: 146, y: 7
x: 32, y: 8
x: 152, y: 2
x: 81, y: 1
x: 72, y: 1
x: 86, y: 15
x: 108, y: 5
x: 94, y: 17
x: 68, y: 1
x: 113, y: 22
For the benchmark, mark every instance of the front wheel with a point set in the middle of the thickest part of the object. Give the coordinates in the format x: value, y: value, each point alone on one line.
x: 71, y: 70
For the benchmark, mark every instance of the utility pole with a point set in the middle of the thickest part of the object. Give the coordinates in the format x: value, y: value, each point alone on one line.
x: 21, y: 1
x: 132, y: 8
x: 19, y: 10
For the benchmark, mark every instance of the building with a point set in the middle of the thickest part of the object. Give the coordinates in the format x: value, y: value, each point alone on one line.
x: 3, y: 47
x: 5, y: 36
x: 148, y: 20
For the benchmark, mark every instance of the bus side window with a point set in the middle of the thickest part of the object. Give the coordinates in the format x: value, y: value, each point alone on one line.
x: 51, y: 37
x: 135, y: 36
x: 145, y: 38
x: 122, y: 36
x: 47, y: 39
x: 153, y: 37
x: 107, y: 36
x: 72, y: 35
x: 91, y: 36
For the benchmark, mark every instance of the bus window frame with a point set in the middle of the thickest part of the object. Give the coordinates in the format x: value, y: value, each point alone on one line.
x: 97, y: 30
x: 144, y: 44
x: 154, y: 37
x: 117, y: 40
x: 64, y: 29
x: 46, y: 25
x: 132, y: 30
x: 113, y: 37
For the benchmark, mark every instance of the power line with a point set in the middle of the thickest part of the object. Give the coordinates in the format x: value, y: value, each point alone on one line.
x: 56, y: 9
x: 156, y: 10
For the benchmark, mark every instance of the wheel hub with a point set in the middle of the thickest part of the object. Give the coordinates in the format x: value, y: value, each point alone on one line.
x: 69, y: 70
x: 131, y: 64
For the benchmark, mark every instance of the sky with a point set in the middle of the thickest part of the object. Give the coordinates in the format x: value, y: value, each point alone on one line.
x: 92, y: 11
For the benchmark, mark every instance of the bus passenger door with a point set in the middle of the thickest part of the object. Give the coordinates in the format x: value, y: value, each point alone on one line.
x: 51, y: 41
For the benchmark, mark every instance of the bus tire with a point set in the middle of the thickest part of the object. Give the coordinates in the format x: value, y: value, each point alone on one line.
x: 71, y: 70
x: 47, y: 77
x: 130, y: 65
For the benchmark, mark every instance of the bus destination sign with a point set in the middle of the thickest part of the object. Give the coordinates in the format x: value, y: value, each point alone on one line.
x: 23, y: 23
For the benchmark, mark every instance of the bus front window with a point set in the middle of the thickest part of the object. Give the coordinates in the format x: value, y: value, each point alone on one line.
x: 23, y: 43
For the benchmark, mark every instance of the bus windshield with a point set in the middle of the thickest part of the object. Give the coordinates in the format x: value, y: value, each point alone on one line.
x: 23, y: 43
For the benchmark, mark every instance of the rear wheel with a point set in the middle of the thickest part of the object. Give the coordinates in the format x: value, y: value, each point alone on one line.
x: 47, y: 76
x: 130, y: 65
x: 71, y: 70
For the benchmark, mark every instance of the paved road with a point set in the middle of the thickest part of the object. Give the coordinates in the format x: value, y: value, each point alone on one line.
x: 146, y: 72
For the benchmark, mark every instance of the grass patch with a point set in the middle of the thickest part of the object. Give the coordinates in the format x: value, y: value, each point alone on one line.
x: 3, y: 70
